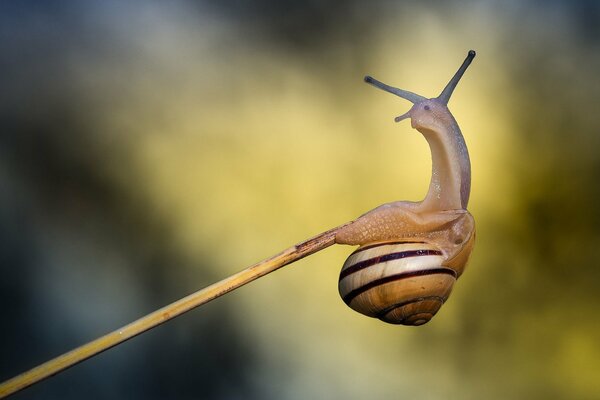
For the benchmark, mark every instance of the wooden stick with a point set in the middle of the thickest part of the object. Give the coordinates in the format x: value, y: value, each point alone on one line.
x: 168, y: 312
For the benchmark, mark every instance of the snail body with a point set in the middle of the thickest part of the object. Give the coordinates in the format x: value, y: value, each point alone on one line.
x: 412, y: 252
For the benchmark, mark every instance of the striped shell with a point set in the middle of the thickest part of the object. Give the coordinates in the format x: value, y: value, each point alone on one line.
x: 397, y: 282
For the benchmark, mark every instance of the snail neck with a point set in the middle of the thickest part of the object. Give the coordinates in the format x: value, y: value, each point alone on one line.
x: 451, y: 172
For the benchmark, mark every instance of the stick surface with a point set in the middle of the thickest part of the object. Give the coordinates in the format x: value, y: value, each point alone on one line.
x: 168, y: 312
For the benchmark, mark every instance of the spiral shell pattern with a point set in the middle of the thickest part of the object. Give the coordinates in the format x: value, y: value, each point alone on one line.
x: 397, y: 282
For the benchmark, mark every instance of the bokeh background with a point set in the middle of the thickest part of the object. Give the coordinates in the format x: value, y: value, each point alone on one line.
x: 148, y: 149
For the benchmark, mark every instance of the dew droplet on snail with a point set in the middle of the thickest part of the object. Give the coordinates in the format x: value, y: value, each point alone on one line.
x: 410, y: 254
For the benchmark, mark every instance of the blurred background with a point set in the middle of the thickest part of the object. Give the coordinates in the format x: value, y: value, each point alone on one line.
x: 148, y: 149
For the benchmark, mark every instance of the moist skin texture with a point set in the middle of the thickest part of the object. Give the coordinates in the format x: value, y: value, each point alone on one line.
x: 442, y: 216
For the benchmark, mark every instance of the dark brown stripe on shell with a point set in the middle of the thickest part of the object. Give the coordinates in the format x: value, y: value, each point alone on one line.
x: 396, y: 277
x: 370, y: 246
x: 387, y: 257
x: 386, y: 310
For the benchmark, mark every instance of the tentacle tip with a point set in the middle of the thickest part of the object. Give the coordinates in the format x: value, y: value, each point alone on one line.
x: 368, y: 79
x: 402, y: 117
x: 472, y: 53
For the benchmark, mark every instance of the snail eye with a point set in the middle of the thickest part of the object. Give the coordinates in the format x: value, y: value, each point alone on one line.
x: 427, y: 108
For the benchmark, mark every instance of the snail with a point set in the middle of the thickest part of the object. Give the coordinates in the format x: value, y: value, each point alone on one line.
x: 410, y: 253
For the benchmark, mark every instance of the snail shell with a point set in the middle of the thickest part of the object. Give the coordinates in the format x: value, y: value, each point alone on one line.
x: 399, y: 282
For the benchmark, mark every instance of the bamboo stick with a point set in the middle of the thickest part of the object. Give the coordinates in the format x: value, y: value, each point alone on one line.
x: 168, y: 312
